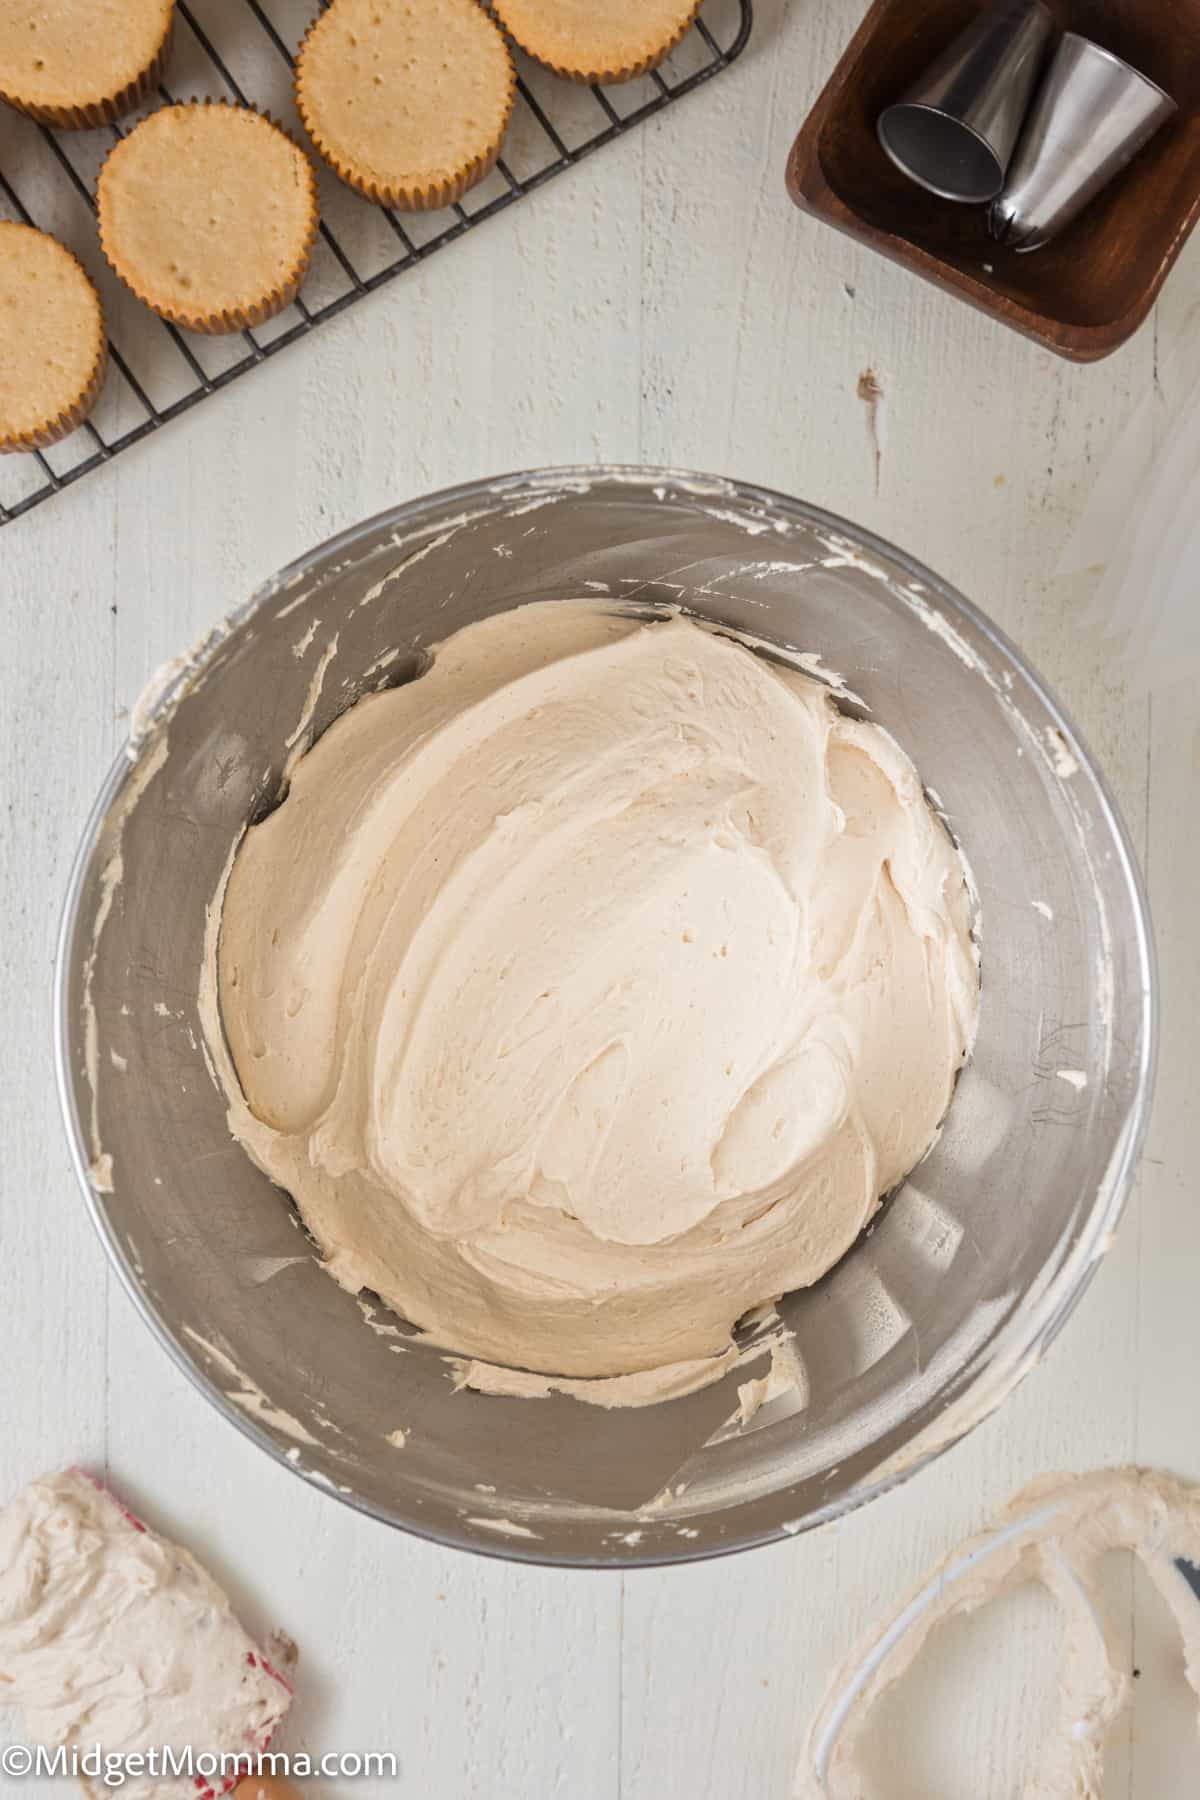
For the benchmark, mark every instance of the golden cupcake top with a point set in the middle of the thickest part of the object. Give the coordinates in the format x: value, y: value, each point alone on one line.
x: 597, y: 40
x: 208, y: 212
x: 408, y: 100
x: 81, y: 62
x: 52, y: 343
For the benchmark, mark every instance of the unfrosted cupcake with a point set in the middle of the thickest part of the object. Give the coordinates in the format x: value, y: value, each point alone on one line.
x: 597, y: 40
x: 407, y: 100
x: 52, y: 343
x: 74, y: 63
x: 209, y: 213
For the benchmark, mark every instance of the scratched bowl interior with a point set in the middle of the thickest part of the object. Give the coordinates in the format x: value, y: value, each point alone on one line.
x: 973, y: 1263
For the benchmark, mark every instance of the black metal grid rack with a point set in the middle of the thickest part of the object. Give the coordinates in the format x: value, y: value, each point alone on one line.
x: 242, y: 50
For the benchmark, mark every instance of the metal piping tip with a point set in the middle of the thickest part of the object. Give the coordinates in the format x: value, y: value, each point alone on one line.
x: 953, y: 133
x: 1092, y: 114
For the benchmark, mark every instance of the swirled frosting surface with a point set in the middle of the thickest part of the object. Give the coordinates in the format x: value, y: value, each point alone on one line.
x: 111, y: 1636
x: 594, y: 987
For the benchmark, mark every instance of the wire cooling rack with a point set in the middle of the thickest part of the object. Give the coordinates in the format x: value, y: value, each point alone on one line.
x: 243, y: 50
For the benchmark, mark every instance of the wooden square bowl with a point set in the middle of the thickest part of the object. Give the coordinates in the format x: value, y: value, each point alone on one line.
x: 1082, y: 295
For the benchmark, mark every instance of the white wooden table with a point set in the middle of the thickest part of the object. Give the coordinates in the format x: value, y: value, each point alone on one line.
x: 663, y: 302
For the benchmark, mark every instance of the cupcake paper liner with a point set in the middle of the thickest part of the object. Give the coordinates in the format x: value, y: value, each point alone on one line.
x: 52, y: 431
x: 622, y: 67
x: 217, y: 322
x: 100, y: 112
x: 406, y: 197
x: 61, y: 424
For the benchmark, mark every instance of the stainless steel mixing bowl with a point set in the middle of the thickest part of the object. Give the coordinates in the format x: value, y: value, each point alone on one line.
x: 972, y: 1266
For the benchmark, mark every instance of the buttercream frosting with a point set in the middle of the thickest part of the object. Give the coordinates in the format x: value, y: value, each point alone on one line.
x: 111, y: 1636
x: 593, y: 987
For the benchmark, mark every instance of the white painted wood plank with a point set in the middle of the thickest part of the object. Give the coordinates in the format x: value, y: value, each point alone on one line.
x: 57, y: 732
